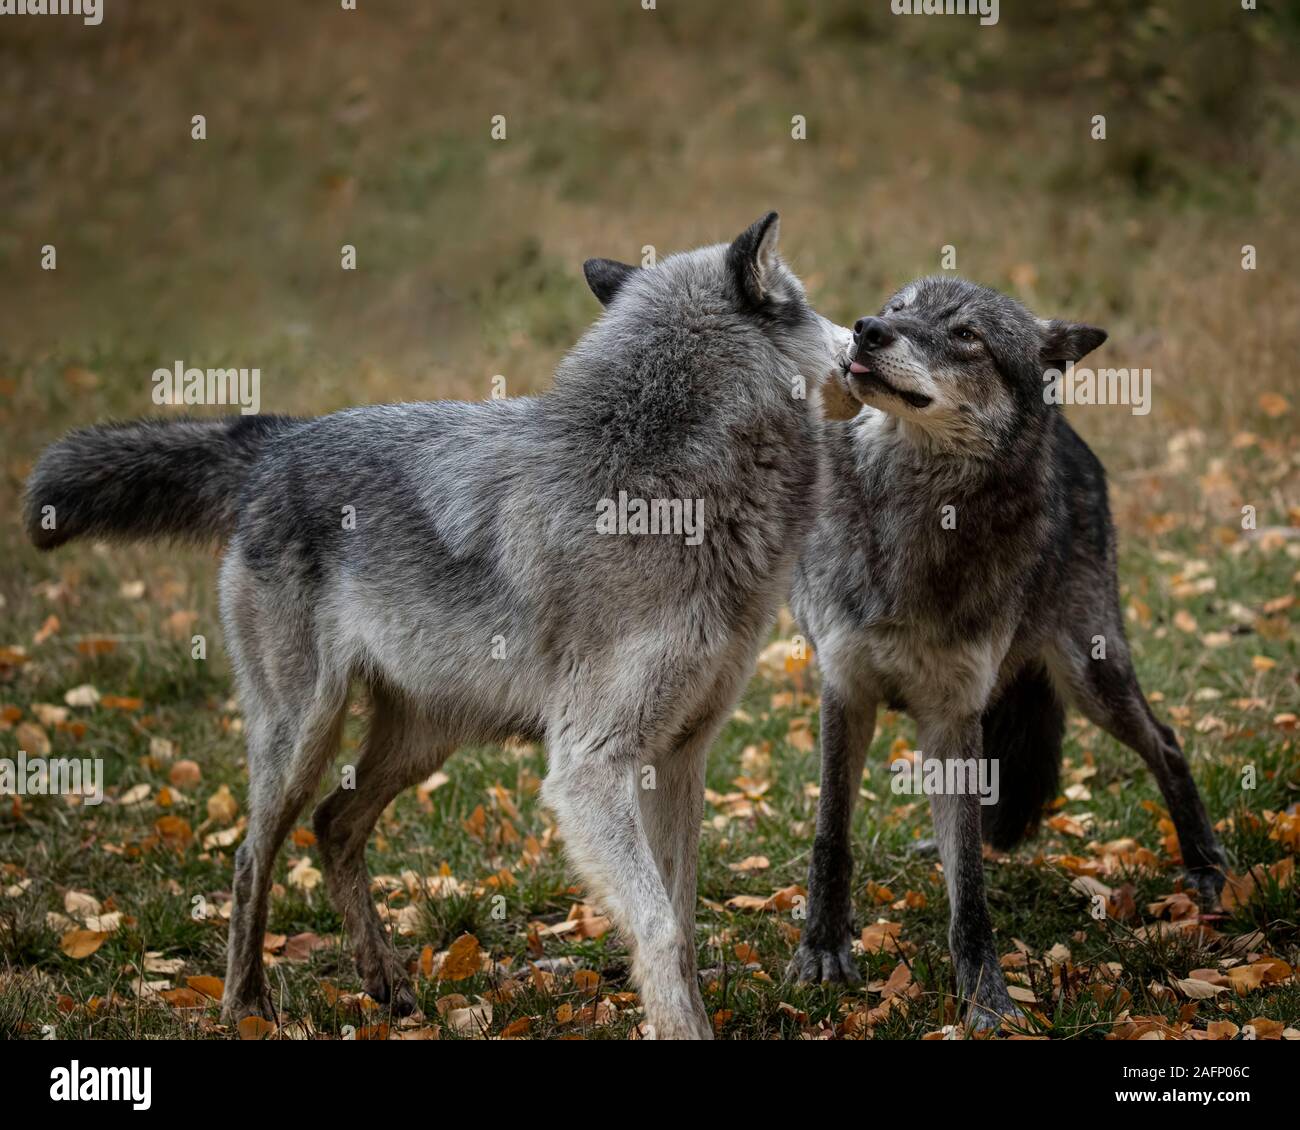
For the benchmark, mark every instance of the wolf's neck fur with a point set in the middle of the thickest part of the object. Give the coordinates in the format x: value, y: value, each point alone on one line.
x: 971, y: 460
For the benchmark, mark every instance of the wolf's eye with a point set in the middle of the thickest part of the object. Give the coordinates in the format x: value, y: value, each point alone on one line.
x: 965, y: 333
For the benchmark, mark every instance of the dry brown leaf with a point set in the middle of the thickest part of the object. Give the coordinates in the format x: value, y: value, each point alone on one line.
x: 79, y: 944
x: 751, y: 863
x: 255, y: 1028
x: 1273, y: 404
x: 222, y: 806
x: 185, y: 774
x: 463, y: 959
x: 212, y: 987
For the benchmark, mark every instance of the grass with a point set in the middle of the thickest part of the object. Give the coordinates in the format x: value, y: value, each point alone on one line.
x: 761, y: 776
x: 625, y: 129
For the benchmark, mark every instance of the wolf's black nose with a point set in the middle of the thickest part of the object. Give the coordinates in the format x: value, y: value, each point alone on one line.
x: 873, y: 333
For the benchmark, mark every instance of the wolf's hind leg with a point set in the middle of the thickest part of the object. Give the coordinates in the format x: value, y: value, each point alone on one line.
x: 399, y: 751
x: 1108, y: 694
x: 290, y: 743
x: 825, y: 951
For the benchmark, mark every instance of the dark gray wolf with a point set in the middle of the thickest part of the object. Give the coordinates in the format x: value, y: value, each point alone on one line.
x: 447, y: 557
x: 963, y: 567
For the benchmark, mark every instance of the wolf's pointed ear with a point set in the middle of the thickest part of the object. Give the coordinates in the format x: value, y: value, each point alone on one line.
x: 1068, y: 341
x: 753, y: 256
x: 605, y: 276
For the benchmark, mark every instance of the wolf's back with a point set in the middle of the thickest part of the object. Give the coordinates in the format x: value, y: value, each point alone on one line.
x: 146, y: 479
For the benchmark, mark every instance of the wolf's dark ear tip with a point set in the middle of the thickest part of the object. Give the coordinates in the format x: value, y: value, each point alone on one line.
x: 1070, y: 341
x: 1090, y: 337
x: 605, y: 276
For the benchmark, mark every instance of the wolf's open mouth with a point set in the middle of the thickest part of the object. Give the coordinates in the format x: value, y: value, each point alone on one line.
x: 871, y: 378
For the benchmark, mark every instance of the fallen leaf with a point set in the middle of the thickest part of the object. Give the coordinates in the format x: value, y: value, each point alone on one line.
x: 80, y: 904
x: 185, y: 774
x: 174, y: 830
x: 255, y: 1028
x: 46, y: 630
x: 96, y: 645
x: 1273, y: 405
x: 1196, y: 990
x: 32, y: 739
x: 751, y: 863
x: 472, y: 1021
x: 79, y: 944
x: 300, y: 947
x: 84, y: 695
x: 303, y: 875
x: 183, y: 998
x: 222, y: 806
x: 212, y: 987
x: 462, y: 960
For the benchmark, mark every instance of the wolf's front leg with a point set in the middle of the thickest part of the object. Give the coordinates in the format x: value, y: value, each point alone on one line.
x: 825, y: 951
x: 956, y: 815
x: 672, y: 806
x: 592, y: 787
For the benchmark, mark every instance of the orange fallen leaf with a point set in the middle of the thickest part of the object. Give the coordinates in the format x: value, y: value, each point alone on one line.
x: 46, y: 630
x: 222, y: 806
x: 96, y: 645
x: 462, y: 959
x: 899, y: 981
x: 878, y: 893
x: 183, y: 998
x: 751, y: 863
x: 255, y: 1028
x: 80, y: 944
x: 588, y: 980
x: 1273, y: 405
x: 185, y: 774
x: 212, y: 987
x: 881, y: 937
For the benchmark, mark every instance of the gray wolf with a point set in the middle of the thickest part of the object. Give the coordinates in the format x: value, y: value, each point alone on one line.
x: 446, y: 557
x: 962, y: 566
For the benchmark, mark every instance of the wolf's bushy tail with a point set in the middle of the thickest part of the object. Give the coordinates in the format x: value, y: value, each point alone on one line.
x: 1023, y: 729
x: 145, y: 479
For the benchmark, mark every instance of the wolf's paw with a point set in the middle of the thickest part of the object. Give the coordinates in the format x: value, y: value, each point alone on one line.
x: 989, y: 1017
x: 988, y: 1003
x: 237, y: 1008
x: 924, y: 848
x: 686, y: 1026
x: 1207, y: 882
x: 386, y: 981
x: 824, y: 964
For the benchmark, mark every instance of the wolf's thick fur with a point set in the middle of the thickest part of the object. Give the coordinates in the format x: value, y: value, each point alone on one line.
x: 474, y: 597
x: 145, y: 479
x: 982, y: 631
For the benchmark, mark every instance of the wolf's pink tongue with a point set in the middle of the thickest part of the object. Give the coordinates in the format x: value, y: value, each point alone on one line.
x: 856, y: 367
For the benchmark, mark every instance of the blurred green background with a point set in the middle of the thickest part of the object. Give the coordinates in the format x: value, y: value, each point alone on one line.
x: 625, y: 127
